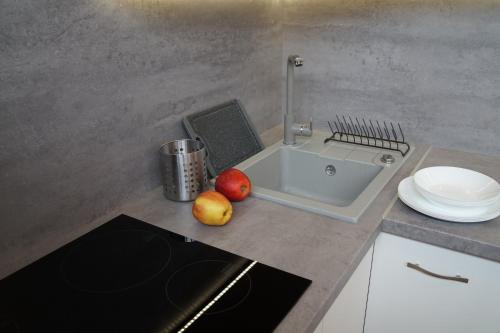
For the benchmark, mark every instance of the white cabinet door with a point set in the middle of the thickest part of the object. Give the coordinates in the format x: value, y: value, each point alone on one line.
x: 348, y: 311
x: 402, y: 299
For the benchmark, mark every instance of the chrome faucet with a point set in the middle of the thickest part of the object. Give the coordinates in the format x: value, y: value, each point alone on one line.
x: 291, y: 128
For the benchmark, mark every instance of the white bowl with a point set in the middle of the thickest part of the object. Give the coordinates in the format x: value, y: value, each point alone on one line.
x: 410, y: 196
x: 456, y: 186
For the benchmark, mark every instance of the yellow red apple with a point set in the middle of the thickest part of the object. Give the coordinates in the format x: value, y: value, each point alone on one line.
x: 212, y: 208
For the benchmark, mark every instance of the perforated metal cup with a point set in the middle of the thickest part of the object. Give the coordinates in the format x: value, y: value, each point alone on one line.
x: 184, y: 169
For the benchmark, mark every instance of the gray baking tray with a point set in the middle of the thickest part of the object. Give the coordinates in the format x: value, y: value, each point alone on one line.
x: 228, y: 135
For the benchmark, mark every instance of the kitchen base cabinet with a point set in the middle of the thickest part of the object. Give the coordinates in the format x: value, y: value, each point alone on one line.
x: 416, y: 287
x: 346, y: 315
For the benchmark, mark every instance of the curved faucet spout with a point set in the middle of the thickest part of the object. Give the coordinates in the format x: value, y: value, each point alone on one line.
x: 295, y: 60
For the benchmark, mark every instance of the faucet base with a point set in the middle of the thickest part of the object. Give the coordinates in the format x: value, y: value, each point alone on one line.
x: 292, y: 129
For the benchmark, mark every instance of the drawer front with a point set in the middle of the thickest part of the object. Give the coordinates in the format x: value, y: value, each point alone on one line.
x: 416, y: 287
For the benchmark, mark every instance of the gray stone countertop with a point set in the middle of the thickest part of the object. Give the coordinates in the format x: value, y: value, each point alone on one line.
x: 316, y: 247
x: 323, y: 249
x: 479, y: 239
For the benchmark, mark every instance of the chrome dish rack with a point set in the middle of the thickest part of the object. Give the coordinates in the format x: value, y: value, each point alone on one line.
x: 368, y: 134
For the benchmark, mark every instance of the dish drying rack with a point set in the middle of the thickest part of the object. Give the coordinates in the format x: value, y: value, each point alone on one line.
x: 365, y: 133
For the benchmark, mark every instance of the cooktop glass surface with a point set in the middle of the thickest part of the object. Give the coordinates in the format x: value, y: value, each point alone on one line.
x: 130, y: 276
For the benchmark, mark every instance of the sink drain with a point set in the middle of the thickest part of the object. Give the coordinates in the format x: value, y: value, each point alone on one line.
x: 330, y: 170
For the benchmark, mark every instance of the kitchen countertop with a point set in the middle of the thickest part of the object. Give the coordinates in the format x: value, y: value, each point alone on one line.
x: 323, y: 249
x: 316, y: 247
x: 479, y: 239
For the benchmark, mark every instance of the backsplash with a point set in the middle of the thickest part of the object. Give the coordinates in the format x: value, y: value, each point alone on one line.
x: 434, y: 66
x: 89, y: 90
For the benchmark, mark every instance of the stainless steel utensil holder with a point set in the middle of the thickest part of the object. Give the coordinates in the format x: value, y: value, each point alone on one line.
x: 184, y: 169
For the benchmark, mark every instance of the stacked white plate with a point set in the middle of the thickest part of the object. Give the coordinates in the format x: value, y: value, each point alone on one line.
x: 452, y: 194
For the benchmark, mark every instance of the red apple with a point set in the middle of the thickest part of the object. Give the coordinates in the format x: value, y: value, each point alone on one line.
x: 234, y: 184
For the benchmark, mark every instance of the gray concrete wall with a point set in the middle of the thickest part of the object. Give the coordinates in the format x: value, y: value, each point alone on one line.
x: 434, y: 66
x: 90, y: 89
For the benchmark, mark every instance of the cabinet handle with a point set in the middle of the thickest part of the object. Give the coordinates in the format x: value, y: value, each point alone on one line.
x: 457, y: 278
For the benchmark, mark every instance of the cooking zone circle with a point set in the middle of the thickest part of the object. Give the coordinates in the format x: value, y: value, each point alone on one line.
x: 116, y: 261
x: 186, y: 285
x: 8, y: 325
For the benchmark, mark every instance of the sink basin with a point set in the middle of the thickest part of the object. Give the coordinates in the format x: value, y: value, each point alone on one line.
x: 333, y: 179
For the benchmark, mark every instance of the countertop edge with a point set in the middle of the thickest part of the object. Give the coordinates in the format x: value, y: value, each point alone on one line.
x: 442, y: 239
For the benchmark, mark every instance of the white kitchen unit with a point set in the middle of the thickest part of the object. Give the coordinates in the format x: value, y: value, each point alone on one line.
x: 346, y: 315
x: 406, y: 299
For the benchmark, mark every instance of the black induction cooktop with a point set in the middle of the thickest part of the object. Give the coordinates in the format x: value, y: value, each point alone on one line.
x: 130, y: 276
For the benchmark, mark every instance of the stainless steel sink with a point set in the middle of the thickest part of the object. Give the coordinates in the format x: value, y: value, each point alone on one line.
x: 333, y: 179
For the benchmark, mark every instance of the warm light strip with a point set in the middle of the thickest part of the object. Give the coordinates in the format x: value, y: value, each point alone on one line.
x: 216, y: 298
